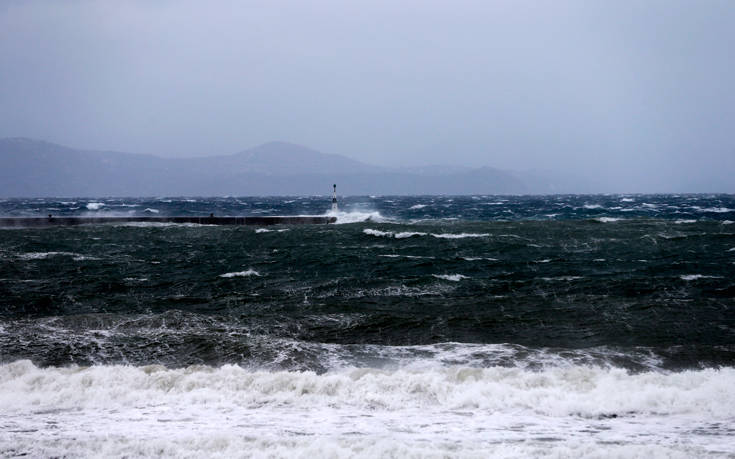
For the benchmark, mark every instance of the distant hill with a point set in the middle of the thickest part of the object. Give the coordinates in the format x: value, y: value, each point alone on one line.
x: 30, y: 168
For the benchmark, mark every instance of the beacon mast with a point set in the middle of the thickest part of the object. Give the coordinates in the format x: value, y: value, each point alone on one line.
x: 334, y: 199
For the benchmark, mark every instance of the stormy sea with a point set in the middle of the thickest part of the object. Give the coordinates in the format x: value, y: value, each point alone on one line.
x: 424, y: 326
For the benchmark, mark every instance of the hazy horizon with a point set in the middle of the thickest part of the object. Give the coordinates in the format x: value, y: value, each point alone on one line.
x: 630, y: 95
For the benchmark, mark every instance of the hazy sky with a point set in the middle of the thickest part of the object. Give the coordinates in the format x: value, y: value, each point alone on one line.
x: 626, y: 91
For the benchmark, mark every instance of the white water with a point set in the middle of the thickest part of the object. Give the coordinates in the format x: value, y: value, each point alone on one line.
x: 451, y: 277
x: 436, y: 411
x: 407, y: 234
x: 248, y: 273
x: 95, y: 205
x: 357, y: 217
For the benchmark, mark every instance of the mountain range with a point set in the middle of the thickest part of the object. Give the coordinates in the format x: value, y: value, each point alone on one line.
x: 33, y: 168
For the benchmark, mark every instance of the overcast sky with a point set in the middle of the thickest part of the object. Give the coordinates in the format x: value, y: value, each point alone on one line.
x: 625, y: 91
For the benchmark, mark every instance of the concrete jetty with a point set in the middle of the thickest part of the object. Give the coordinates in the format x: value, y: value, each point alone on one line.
x: 211, y: 220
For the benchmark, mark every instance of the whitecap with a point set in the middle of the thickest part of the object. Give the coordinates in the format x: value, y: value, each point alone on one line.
x: 561, y: 278
x: 418, y: 206
x: 374, y: 232
x: 45, y: 255
x: 608, y: 219
x: 450, y: 277
x: 357, y: 217
x: 679, y: 222
x: 95, y: 205
x: 406, y: 234
x: 691, y: 277
x: 459, y: 236
x: 401, y: 235
x: 151, y: 211
x: 248, y: 273
x: 592, y: 206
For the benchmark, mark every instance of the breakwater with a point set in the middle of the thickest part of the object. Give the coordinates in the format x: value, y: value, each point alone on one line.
x: 211, y: 220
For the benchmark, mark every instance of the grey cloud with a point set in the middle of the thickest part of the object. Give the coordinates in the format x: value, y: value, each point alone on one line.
x: 629, y: 94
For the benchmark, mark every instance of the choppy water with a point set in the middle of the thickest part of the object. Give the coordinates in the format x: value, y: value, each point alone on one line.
x: 431, y: 326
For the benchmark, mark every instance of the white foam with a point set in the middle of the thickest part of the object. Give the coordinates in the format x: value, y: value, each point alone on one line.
x: 450, y: 277
x: 248, y: 273
x: 95, y: 205
x: 201, y: 411
x: 592, y: 206
x: 45, y: 255
x: 691, y: 277
x: 391, y: 234
x: 727, y: 222
x: 460, y: 235
x: 718, y: 210
x: 150, y: 210
x: 418, y: 206
x: 561, y: 278
x: 679, y: 222
x: 357, y: 217
x: 608, y: 219
x: 627, y: 200
x: 378, y: 233
x: 160, y: 224
x: 407, y: 234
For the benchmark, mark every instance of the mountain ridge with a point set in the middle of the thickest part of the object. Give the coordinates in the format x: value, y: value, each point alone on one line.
x: 32, y: 168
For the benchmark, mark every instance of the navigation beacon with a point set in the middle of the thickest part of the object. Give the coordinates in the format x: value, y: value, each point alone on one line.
x: 334, y: 199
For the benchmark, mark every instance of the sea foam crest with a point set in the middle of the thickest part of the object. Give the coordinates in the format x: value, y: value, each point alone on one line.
x: 691, y: 277
x: 460, y: 235
x: 568, y: 391
x: 450, y: 277
x: 407, y: 234
x: 248, y: 273
x: 357, y: 217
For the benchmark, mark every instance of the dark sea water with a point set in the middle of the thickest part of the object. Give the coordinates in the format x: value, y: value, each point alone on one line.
x: 430, y: 326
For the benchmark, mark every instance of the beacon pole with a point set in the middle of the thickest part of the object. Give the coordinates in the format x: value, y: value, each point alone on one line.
x: 334, y: 199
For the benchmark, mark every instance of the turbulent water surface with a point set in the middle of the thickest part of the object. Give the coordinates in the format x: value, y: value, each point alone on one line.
x: 430, y: 326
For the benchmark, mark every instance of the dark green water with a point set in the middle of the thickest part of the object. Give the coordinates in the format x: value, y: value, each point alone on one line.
x: 637, y: 282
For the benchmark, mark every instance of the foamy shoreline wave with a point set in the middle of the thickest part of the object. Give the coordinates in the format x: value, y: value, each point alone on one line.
x: 458, y: 411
